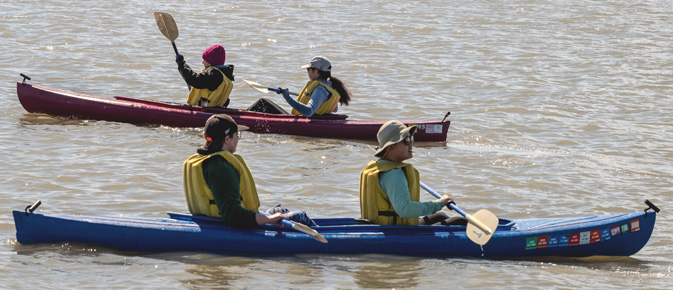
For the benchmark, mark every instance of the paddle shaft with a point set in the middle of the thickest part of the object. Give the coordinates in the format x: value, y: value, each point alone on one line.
x: 278, y: 91
x: 286, y: 223
x: 175, y: 48
x: 453, y: 206
x: 177, y: 54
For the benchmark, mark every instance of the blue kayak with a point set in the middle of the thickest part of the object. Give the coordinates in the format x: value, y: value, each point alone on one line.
x: 607, y: 235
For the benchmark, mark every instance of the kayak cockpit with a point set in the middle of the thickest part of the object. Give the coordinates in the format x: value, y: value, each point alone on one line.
x: 503, y: 224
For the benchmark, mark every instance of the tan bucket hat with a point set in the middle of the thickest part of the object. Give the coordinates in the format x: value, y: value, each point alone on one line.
x: 392, y: 132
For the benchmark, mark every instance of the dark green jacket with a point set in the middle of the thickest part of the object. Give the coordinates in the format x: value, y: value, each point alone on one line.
x: 224, y: 181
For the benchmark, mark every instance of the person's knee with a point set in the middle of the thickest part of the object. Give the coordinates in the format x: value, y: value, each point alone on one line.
x: 433, y: 219
x: 460, y: 221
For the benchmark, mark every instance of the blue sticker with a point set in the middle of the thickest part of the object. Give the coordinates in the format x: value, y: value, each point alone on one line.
x: 553, y: 241
x: 563, y: 240
x: 605, y: 234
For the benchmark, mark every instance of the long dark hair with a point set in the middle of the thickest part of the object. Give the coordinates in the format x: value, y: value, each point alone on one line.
x: 337, y: 85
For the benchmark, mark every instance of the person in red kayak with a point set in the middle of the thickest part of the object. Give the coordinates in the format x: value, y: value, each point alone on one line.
x: 218, y: 183
x: 390, y: 189
x: 321, y: 95
x: 211, y: 86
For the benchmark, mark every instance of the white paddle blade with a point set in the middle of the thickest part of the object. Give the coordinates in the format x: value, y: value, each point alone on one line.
x: 309, y: 231
x: 258, y: 87
x: 481, y: 226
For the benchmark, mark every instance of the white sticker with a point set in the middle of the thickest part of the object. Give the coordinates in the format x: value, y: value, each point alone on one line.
x: 585, y: 238
x: 433, y: 129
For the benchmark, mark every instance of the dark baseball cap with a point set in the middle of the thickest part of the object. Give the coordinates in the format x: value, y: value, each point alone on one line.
x: 221, y: 125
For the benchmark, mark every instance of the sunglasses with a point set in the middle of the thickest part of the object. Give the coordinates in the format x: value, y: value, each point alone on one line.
x: 409, y: 140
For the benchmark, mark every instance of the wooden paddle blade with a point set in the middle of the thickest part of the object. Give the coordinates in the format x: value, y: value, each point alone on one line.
x: 309, y: 231
x: 474, y: 232
x: 166, y: 25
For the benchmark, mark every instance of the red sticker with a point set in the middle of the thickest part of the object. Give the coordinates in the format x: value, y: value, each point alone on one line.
x: 542, y: 242
x: 595, y: 236
x: 615, y: 230
x: 574, y: 239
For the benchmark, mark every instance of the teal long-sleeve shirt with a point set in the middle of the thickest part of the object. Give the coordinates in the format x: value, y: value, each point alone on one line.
x: 394, y: 184
x: 225, y: 183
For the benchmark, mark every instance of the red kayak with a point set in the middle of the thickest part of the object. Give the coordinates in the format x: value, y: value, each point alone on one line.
x: 61, y: 103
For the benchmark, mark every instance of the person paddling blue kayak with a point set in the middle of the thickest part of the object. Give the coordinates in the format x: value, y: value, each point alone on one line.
x: 390, y: 189
x: 218, y: 183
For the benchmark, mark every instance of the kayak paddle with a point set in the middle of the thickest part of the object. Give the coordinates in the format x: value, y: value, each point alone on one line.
x: 265, y: 89
x: 168, y: 28
x: 301, y: 228
x: 480, y: 226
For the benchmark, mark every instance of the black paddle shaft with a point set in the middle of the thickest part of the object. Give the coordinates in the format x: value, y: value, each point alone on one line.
x: 175, y: 48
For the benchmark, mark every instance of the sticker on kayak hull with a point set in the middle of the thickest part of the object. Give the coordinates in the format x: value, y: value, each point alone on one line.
x: 558, y: 241
x: 431, y: 128
x: 531, y: 243
x: 595, y: 236
x: 605, y: 234
x: 436, y: 129
x: 550, y: 241
x: 582, y: 238
x: 574, y: 239
x: 615, y: 230
x: 635, y: 225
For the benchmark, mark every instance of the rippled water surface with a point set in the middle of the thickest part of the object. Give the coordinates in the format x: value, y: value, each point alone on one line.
x: 558, y: 108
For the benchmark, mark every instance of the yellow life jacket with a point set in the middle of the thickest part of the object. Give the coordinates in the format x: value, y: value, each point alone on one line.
x: 375, y: 204
x: 215, y: 98
x: 200, y: 197
x: 326, y: 107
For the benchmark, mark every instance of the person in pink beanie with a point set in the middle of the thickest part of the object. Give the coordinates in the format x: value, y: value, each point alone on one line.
x: 211, y: 86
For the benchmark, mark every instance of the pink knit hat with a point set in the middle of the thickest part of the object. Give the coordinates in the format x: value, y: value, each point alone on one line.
x: 214, y: 55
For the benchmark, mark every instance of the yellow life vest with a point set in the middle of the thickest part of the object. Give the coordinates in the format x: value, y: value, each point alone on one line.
x: 326, y: 107
x: 375, y: 204
x: 215, y: 98
x: 198, y: 194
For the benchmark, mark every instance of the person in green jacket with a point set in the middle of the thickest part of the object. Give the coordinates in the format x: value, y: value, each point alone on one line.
x: 218, y: 182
